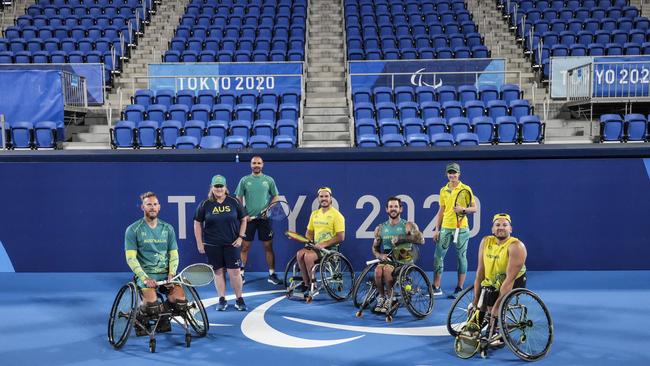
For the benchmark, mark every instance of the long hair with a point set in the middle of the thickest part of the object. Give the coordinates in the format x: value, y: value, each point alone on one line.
x: 211, y: 196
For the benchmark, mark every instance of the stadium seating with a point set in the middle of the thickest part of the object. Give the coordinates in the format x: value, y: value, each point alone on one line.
x: 160, y: 118
x: 628, y: 128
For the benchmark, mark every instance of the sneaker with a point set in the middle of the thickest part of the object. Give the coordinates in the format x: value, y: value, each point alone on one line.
x: 223, y: 304
x: 243, y: 279
x: 380, y: 305
x: 437, y: 291
x: 240, y: 305
x: 273, y: 279
x: 388, y: 305
x: 300, y: 289
x: 457, y: 292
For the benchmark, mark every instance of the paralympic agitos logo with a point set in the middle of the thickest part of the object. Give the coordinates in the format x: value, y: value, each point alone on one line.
x: 417, y: 79
x: 255, y: 327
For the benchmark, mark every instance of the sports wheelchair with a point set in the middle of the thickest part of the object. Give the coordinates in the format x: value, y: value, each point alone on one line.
x: 524, y: 325
x: 126, y: 313
x: 412, y: 289
x: 332, y: 272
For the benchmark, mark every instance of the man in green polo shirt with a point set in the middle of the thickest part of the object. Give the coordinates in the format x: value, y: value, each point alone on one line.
x: 256, y: 191
x: 443, y: 232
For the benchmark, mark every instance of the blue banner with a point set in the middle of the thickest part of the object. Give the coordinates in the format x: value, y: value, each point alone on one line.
x: 39, y: 97
x: 92, y: 72
x: 568, y: 222
x: 433, y: 73
x: 228, y: 77
x: 621, y: 76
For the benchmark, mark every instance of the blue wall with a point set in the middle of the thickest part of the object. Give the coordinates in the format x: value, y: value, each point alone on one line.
x: 572, y: 214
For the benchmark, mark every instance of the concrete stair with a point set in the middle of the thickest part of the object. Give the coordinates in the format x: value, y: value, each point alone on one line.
x: 325, y: 120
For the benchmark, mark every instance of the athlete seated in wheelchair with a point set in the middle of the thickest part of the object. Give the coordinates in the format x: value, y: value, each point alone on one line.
x: 498, y: 309
x: 393, y: 278
x: 152, y: 254
x: 319, y: 264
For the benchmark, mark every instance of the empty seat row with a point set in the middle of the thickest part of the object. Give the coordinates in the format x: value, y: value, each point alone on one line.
x: 425, y: 53
x: 168, y: 97
x: 232, y: 43
x: 631, y: 127
x: 59, y: 57
x: 67, y: 44
x: 234, y: 56
x: 444, y: 93
x: 27, y: 135
x: 204, y: 112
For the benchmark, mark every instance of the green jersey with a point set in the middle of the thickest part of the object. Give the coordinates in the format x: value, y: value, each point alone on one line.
x: 153, y: 245
x: 257, y: 191
x: 401, y: 252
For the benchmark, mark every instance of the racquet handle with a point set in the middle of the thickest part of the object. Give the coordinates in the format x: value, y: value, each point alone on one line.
x: 376, y: 260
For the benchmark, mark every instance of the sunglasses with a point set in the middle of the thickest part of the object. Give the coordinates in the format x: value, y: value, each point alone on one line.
x: 218, y: 186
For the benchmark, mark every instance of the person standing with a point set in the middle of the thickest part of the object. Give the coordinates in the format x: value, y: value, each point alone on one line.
x: 257, y: 191
x: 445, y: 227
x: 219, y: 228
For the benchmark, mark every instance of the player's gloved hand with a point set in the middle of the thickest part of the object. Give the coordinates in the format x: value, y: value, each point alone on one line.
x: 150, y: 283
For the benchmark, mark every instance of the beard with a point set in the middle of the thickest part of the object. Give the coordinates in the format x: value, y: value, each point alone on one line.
x: 152, y: 215
x: 393, y: 214
x: 501, y: 234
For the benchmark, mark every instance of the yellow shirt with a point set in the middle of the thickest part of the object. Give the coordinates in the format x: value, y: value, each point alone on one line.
x: 447, y: 199
x: 325, y: 225
x: 495, y: 260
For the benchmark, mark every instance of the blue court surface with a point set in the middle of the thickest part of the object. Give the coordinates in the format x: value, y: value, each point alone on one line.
x: 600, y: 318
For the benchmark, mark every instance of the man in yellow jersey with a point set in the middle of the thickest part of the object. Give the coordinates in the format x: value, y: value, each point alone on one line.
x: 326, y: 229
x: 501, y: 266
x: 445, y: 227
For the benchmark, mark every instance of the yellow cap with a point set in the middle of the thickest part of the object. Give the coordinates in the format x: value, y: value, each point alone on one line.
x: 501, y: 216
x: 325, y: 189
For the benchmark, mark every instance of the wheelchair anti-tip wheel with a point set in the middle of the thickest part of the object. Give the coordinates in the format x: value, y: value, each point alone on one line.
x: 458, y: 313
x: 416, y: 291
x: 337, y: 276
x: 122, y: 315
x: 526, y: 324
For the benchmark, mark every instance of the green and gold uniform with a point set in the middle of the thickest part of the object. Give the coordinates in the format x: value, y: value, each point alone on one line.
x: 151, y: 252
x: 495, y: 261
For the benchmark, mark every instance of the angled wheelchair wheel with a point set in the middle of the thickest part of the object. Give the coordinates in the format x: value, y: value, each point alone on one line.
x: 416, y: 291
x: 458, y: 314
x: 196, y: 314
x: 526, y: 324
x: 337, y: 276
x: 292, y: 275
x: 364, y: 293
x: 122, y: 315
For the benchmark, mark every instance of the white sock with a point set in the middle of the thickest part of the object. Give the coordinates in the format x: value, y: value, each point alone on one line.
x: 271, y: 271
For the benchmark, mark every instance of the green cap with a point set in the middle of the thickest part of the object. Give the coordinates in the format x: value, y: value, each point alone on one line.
x: 218, y: 180
x: 453, y: 167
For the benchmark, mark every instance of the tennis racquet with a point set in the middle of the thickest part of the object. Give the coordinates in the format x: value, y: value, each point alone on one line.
x: 275, y: 211
x: 402, y: 253
x: 463, y: 199
x: 195, y: 275
x: 297, y: 237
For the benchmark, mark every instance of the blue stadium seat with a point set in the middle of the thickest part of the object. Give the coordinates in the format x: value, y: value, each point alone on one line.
x: 467, y: 139
x: 143, y: 97
x: 507, y: 129
x: 235, y: 142
x: 222, y: 112
x: 452, y: 109
x: 362, y: 95
x: 123, y: 134
x: 134, y: 113
x: 260, y: 142
x: 206, y: 97
x: 408, y: 110
x: 218, y: 128
x: 147, y: 134
x: 178, y: 112
x: 458, y: 125
x: 195, y: 128
x: 425, y: 94
x: 284, y: 141
x: 287, y: 127
x: 45, y: 135
x: 169, y: 131
x: 211, y: 142
x: 185, y: 97
x: 430, y: 110
x: 413, y: 126
x: 483, y: 127
x: 442, y: 139
x: 488, y: 92
x: 520, y: 108
x: 385, y: 110
x: 418, y: 140
x: 446, y: 93
x: 392, y: 140
x: 389, y: 126
x: 474, y: 108
x: 532, y: 129
x: 382, y: 94
x: 288, y: 111
x: 497, y: 108
x: 156, y: 112
x: 436, y: 125
x: 368, y: 140
x: 200, y: 112
x: 186, y: 143
x: 264, y: 127
x: 467, y: 93
x: 241, y: 128
x: 165, y: 97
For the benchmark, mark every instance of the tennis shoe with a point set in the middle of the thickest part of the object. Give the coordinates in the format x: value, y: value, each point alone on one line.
x: 240, y: 305
x: 456, y: 293
x: 380, y: 305
x: 223, y: 304
x: 437, y: 291
x: 273, y: 279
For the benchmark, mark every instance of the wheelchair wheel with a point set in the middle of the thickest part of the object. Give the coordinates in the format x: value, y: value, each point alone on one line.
x: 291, y: 275
x: 416, y: 291
x: 337, y: 276
x: 363, y: 292
x: 196, y: 314
x: 526, y: 324
x: 458, y: 313
x: 122, y: 315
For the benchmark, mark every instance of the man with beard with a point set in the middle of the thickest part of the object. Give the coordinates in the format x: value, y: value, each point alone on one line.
x: 256, y: 191
x: 326, y: 229
x: 152, y: 254
x: 394, y: 240
x: 501, y: 267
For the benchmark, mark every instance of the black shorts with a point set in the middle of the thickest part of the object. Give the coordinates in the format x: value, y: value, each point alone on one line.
x: 220, y: 256
x: 492, y: 294
x: 262, y: 227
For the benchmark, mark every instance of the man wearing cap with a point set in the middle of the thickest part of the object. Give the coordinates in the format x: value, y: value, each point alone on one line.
x: 326, y: 228
x: 219, y: 228
x: 256, y: 191
x: 445, y: 226
x: 501, y: 266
